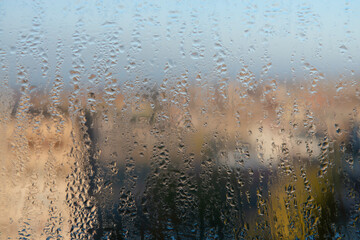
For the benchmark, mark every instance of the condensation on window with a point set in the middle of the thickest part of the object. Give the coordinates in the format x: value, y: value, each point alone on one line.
x: 179, y: 119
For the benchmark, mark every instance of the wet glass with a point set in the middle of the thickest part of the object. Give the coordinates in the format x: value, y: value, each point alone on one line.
x: 179, y: 119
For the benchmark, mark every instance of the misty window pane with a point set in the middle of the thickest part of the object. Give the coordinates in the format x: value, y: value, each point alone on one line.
x: 179, y: 119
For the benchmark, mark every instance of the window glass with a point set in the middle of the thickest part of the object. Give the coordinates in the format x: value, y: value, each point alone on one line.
x: 179, y: 119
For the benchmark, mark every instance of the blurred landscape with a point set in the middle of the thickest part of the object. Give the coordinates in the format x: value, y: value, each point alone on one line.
x: 179, y: 120
x: 181, y: 160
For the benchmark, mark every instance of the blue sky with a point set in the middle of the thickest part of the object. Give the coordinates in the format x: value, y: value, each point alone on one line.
x: 196, y: 36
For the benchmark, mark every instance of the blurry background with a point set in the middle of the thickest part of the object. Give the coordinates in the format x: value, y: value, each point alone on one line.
x: 179, y: 120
